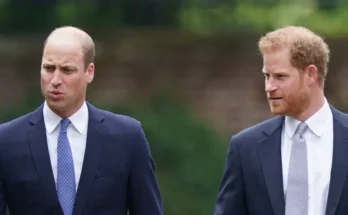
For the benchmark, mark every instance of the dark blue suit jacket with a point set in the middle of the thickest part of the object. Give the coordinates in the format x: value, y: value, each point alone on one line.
x: 252, y: 182
x: 118, y: 172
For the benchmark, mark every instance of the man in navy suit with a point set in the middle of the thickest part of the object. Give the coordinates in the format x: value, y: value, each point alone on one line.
x: 295, y: 163
x: 68, y: 157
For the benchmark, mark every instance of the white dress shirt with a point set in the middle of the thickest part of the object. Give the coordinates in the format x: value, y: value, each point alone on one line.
x: 319, y: 139
x: 77, y: 135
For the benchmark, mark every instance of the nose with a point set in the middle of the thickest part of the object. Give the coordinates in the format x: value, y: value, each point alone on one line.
x: 270, y: 85
x: 56, y: 80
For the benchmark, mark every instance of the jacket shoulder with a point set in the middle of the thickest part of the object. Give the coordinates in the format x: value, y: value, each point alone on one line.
x: 257, y: 131
x: 14, y: 124
x: 122, y: 123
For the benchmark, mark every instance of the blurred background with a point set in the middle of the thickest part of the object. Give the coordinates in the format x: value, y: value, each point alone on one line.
x: 189, y: 70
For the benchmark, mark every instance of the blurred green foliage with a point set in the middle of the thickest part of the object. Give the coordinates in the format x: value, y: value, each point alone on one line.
x: 189, y: 155
x: 31, y: 101
x: 249, y: 16
x: 327, y: 17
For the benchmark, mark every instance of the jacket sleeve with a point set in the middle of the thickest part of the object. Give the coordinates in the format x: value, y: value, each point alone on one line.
x: 144, y: 192
x: 2, y: 195
x: 231, y: 196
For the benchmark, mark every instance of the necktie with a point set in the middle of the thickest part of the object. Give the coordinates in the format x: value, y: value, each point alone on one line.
x: 65, y: 171
x: 297, y: 190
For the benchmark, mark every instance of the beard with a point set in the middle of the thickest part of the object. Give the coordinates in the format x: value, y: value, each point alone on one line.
x: 292, y: 104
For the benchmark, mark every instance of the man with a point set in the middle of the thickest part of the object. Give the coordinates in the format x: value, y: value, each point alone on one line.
x: 295, y: 163
x: 68, y: 157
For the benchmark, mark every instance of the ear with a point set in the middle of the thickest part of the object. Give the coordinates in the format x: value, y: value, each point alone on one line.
x: 90, y: 73
x: 312, y: 74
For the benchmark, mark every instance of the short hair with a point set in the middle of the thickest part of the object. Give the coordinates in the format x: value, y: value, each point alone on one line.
x: 305, y: 46
x: 86, y: 40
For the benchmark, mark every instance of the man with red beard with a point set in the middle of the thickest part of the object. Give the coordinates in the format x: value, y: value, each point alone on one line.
x: 295, y: 163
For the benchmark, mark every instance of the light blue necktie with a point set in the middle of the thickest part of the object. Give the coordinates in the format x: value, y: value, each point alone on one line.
x: 297, y: 190
x: 66, y: 190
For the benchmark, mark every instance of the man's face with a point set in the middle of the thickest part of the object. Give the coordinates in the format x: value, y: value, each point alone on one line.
x: 64, y: 78
x: 286, y: 88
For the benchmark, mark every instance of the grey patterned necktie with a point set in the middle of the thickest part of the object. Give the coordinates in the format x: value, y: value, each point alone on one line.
x: 297, y: 189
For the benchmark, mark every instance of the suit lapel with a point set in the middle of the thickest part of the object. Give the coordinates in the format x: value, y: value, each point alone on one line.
x: 339, y: 169
x: 270, y: 156
x: 94, y: 147
x: 36, y: 133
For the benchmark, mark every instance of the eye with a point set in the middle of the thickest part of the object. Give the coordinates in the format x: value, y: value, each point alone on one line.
x: 68, y: 69
x: 280, y: 76
x: 49, y: 68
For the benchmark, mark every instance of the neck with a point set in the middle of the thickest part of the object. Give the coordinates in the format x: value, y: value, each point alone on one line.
x: 316, y: 102
x: 68, y: 112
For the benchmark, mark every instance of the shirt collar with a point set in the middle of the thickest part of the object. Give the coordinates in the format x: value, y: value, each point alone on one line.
x: 315, y: 122
x: 79, y: 120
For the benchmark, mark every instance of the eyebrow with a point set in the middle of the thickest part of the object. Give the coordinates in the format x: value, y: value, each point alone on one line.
x: 70, y: 67
x: 48, y: 64
x: 274, y: 72
x: 52, y: 64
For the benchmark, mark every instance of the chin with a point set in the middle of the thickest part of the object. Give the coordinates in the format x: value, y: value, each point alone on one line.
x: 56, y: 105
x: 278, y: 111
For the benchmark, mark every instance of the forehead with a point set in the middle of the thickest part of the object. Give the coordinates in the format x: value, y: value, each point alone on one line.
x: 63, y: 49
x: 276, y: 59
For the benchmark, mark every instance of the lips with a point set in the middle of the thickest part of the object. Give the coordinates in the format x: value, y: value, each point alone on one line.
x: 275, y: 100
x: 55, y: 95
x: 55, y: 92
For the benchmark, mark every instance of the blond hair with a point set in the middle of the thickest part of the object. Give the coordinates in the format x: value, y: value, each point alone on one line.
x: 87, y: 43
x: 306, y: 48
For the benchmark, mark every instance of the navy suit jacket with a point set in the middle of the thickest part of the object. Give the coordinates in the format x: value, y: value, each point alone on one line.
x: 252, y: 182
x: 118, y: 172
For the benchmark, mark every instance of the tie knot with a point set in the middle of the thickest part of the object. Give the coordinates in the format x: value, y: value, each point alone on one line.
x: 64, y: 124
x: 301, y: 128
